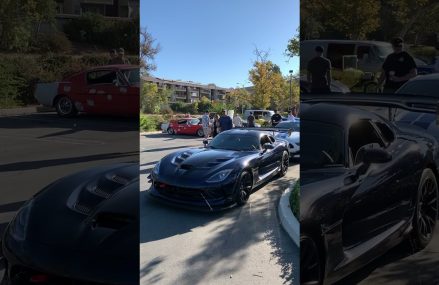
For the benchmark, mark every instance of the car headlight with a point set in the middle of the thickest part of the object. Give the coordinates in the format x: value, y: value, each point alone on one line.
x: 18, y: 227
x: 220, y: 176
x: 156, y: 168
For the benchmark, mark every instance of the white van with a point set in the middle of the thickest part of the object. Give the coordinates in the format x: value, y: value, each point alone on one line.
x: 259, y: 114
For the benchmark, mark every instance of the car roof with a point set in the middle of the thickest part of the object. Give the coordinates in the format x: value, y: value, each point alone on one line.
x: 336, y: 114
x: 432, y: 76
x: 379, y: 43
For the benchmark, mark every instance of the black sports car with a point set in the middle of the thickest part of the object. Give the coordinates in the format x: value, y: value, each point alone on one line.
x: 82, y: 229
x: 223, y: 173
x: 367, y: 183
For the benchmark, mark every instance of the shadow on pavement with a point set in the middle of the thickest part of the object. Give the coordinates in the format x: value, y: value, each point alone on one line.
x: 29, y: 165
x: 168, y: 137
x: 149, y: 267
x: 239, y: 229
x: 166, y: 148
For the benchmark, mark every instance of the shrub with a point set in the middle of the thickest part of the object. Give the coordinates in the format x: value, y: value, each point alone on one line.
x: 295, y: 199
x: 150, y: 123
x: 204, y: 104
x: 53, y: 42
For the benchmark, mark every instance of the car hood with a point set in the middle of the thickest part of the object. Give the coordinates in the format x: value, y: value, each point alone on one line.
x: 92, y: 211
x: 202, y: 161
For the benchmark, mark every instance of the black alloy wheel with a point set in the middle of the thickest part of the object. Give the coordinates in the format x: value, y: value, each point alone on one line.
x: 244, y: 188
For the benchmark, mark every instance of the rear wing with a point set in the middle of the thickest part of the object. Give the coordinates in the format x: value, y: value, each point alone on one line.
x: 416, y: 103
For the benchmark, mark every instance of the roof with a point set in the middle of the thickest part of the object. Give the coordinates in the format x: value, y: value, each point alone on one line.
x: 184, y: 83
x: 340, y: 115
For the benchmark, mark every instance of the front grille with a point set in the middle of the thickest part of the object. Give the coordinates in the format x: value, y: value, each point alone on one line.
x: 187, y: 193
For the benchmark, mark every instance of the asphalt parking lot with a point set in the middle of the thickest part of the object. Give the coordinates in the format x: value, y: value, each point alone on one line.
x: 38, y: 148
x: 243, y: 245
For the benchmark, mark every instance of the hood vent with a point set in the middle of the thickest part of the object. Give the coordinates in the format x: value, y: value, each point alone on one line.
x: 182, y: 157
x: 186, y: 166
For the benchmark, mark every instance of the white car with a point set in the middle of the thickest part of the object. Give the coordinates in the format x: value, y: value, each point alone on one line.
x: 290, y: 131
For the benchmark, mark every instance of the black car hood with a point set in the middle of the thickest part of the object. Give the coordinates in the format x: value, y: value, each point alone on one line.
x: 206, y: 160
x: 92, y: 211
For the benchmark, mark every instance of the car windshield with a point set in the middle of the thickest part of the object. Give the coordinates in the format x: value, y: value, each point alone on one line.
x: 295, y: 126
x: 236, y: 142
x: 420, y: 87
x: 132, y: 75
x: 322, y: 145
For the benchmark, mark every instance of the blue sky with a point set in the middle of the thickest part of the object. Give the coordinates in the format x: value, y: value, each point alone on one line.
x: 212, y: 41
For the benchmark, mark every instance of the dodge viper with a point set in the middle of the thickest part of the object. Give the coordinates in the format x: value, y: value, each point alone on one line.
x: 221, y: 174
x: 81, y: 229
x: 367, y: 184
x: 290, y: 131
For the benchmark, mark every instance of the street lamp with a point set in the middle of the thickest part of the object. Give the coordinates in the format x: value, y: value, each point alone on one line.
x: 291, y: 90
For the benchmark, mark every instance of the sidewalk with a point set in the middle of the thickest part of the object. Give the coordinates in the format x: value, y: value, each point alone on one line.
x: 25, y: 111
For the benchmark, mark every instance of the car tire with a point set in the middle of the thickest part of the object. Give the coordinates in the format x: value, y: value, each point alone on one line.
x: 200, y: 133
x: 65, y: 107
x: 171, y: 131
x: 243, y: 188
x: 311, y: 263
x: 425, y: 217
x: 284, y: 163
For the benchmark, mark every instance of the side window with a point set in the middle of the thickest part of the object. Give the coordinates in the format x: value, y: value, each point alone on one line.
x: 271, y: 139
x: 362, y: 134
x: 363, y: 52
x: 385, y: 131
x: 182, y: 122
x: 337, y: 51
x: 101, y: 77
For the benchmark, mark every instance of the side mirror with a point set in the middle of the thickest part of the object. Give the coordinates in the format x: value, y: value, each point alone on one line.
x: 376, y: 155
x: 205, y: 142
x: 116, y: 82
x: 267, y: 146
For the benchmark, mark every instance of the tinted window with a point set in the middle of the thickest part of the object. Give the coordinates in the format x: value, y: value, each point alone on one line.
x: 132, y: 75
x: 386, y: 132
x: 265, y: 140
x: 420, y: 87
x: 235, y: 142
x: 362, y: 50
x: 182, y: 122
x: 362, y: 134
x: 101, y: 77
x: 337, y: 51
x: 323, y: 145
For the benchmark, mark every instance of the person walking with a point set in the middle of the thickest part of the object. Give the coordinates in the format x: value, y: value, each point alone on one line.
x: 398, y: 68
x: 319, y: 72
x: 237, y: 121
x: 215, y: 126
x: 205, y: 122
x: 251, y: 120
x: 225, y: 122
x: 275, y: 119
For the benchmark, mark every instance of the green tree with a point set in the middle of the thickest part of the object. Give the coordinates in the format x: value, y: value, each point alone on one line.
x: 293, y: 47
x: 148, y: 50
x: 238, y: 97
x: 153, y: 99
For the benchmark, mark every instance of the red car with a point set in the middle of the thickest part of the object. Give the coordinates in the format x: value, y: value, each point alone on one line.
x: 186, y: 126
x: 109, y: 90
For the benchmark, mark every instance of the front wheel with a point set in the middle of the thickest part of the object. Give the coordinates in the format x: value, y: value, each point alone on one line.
x: 200, y: 133
x: 426, y: 211
x: 170, y: 131
x: 285, y: 162
x: 65, y: 107
x: 244, y: 188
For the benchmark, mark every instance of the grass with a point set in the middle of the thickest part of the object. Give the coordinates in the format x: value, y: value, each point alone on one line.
x: 295, y: 199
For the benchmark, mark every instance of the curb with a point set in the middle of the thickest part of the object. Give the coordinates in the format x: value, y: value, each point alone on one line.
x: 287, y: 219
x: 150, y: 133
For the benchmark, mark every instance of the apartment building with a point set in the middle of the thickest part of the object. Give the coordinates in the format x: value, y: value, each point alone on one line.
x: 188, y: 91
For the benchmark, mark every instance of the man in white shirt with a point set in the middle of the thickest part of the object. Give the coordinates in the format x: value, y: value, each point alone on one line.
x: 292, y: 115
x: 205, y: 122
x: 237, y: 121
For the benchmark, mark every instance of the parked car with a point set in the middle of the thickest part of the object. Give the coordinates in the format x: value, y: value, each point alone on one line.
x: 109, y: 90
x: 368, y: 56
x: 290, y: 131
x: 82, y: 229
x: 367, y: 184
x: 427, y: 85
x: 223, y: 173
x: 186, y: 126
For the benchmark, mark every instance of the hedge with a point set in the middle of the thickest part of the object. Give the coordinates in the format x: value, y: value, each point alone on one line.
x: 151, y: 123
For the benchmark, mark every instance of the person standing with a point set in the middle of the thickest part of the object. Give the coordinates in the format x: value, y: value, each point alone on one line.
x: 215, y: 126
x: 398, y: 68
x: 293, y: 114
x: 225, y: 122
x: 113, y: 57
x: 205, y: 122
x: 121, y: 59
x: 319, y: 72
x: 237, y: 121
x: 275, y: 119
x: 251, y: 120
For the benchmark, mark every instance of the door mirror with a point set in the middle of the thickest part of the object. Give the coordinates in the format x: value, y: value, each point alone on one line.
x: 205, y: 142
x: 376, y: 155
x: 267, y: 146
x: 116, y: 82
